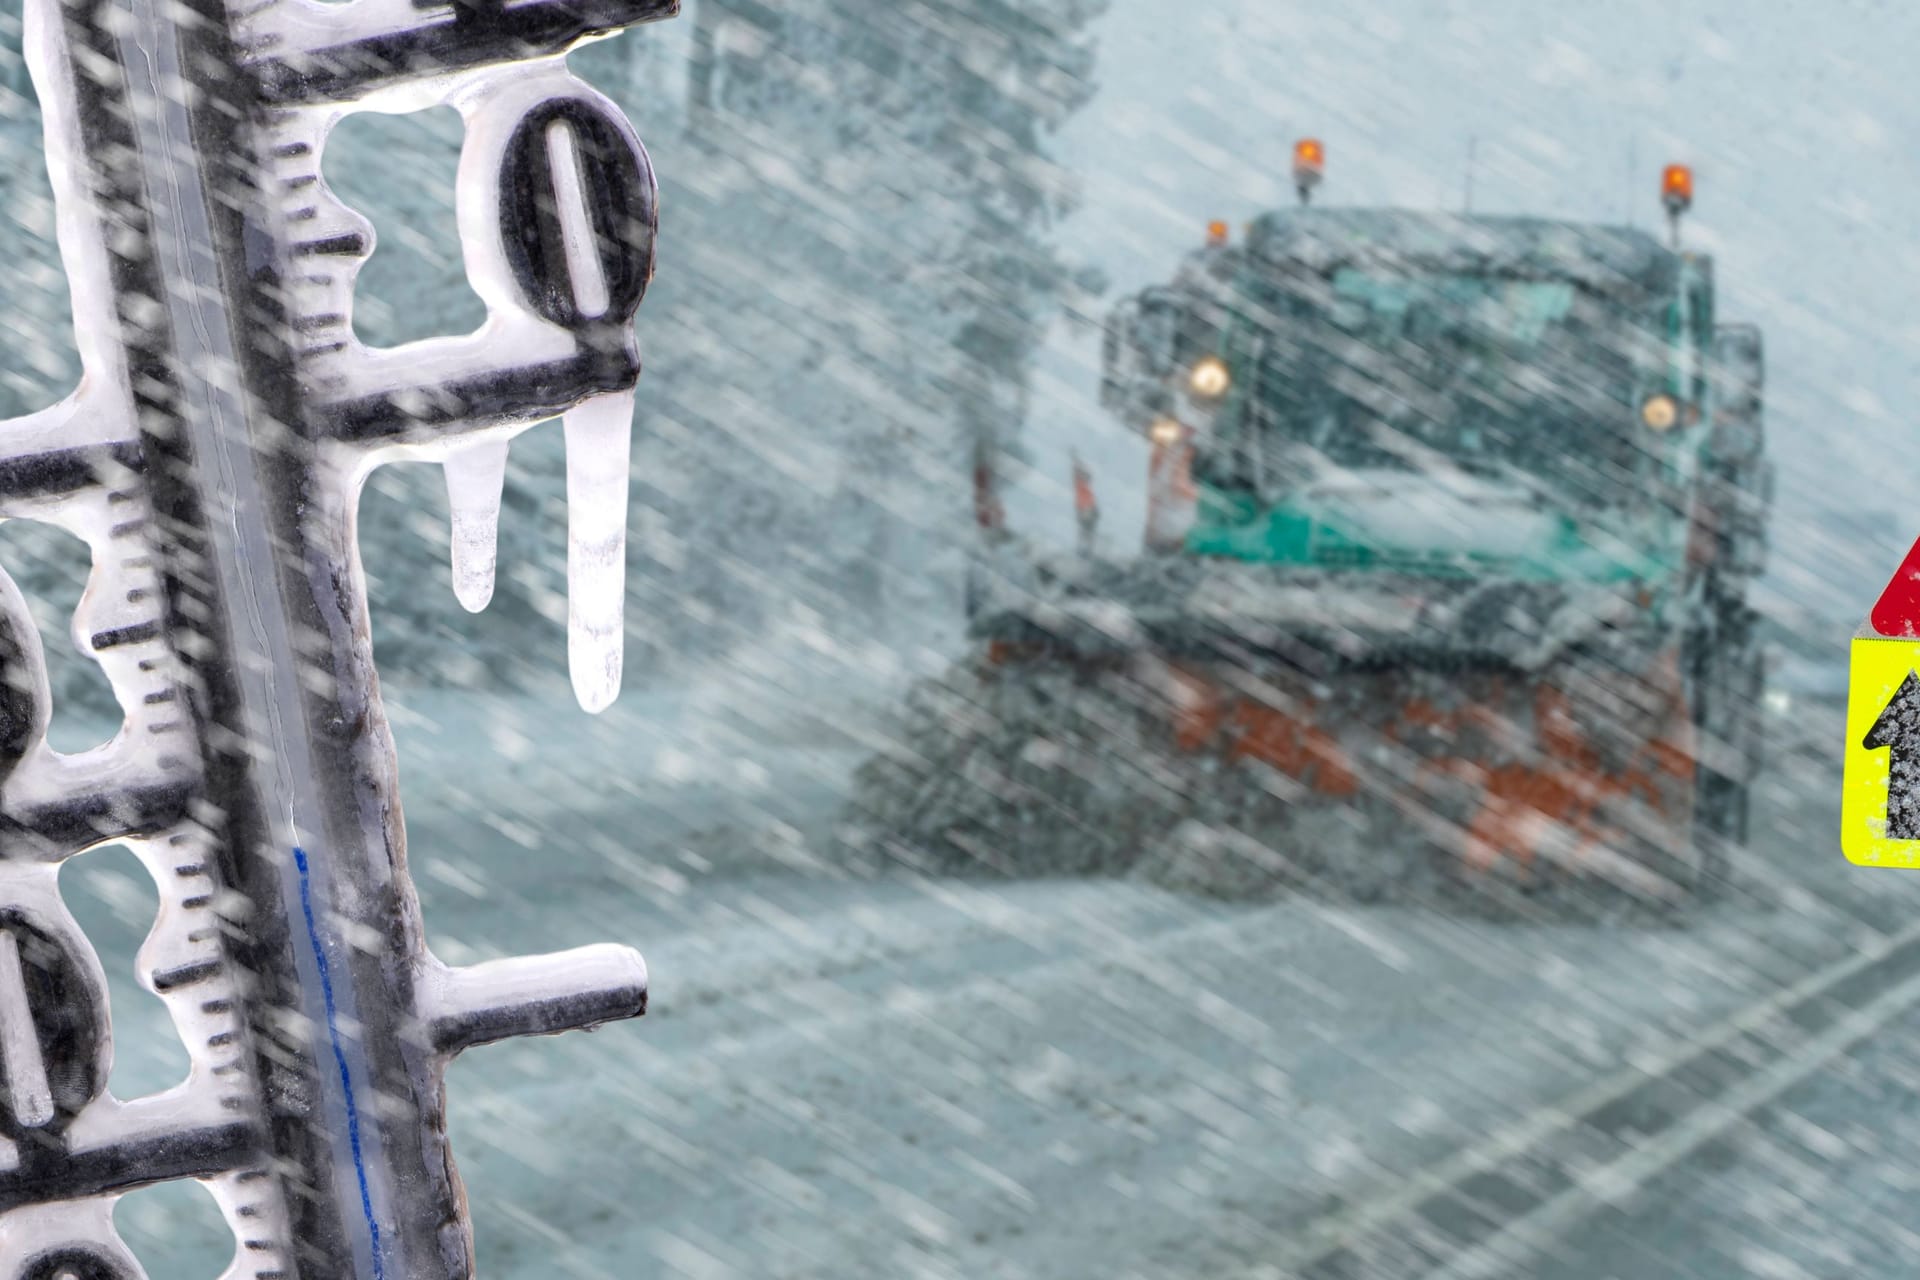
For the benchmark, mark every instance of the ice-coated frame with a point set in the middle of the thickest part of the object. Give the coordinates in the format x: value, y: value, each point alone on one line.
x: 212, y: 459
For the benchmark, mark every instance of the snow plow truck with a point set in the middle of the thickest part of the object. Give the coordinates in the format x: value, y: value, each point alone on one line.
x: 1452, y: 520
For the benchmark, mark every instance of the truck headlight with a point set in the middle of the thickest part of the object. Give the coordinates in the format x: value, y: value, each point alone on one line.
x: 1659, y: 412
x: 1210, y: 378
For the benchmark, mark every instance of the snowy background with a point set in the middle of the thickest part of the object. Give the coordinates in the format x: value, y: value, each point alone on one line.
x: 884, y: 225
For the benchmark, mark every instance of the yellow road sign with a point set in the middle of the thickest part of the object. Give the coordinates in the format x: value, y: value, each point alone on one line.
x: 1880, y: 799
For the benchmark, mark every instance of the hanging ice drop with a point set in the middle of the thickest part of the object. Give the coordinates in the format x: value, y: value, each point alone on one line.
x: 476, y: 476
x: 599, y: 441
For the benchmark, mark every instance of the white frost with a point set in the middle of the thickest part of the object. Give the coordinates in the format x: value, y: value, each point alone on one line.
x: 28, y: 1095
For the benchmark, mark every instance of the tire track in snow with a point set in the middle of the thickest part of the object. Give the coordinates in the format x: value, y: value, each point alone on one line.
x: 1486, y: 1209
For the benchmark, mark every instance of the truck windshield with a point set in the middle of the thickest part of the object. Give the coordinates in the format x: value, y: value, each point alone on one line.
x: 1389, y: 369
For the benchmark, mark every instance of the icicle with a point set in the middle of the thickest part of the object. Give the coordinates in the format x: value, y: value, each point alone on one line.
x: 599, y: 437
x: 475, y: 477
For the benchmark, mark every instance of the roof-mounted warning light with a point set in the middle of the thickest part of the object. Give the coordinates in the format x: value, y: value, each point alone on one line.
x: 1309, y: 166
x: 1217, y: 234
x: 1676, y: 193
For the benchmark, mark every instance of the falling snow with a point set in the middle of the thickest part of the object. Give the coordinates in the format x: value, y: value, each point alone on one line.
x: 1424, y: 867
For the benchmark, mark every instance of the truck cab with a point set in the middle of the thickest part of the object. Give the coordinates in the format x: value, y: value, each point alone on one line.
x: 1422, y: 392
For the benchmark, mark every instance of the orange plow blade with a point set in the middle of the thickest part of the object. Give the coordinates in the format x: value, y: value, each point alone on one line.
x: 1499, y: 774
x: 1241, y: 778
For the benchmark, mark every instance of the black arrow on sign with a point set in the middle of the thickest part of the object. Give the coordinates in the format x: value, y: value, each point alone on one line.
x: 1898, y: 730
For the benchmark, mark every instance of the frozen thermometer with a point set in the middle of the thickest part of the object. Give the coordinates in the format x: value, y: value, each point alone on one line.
x: 212, y: 458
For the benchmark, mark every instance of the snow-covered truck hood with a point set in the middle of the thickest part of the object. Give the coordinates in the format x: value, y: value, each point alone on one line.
x: 1441, y: 524
x: 1357, y: 567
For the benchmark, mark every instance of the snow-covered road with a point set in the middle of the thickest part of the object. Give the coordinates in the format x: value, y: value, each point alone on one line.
x: 1817, y: 1185
x: 854, y: 1076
